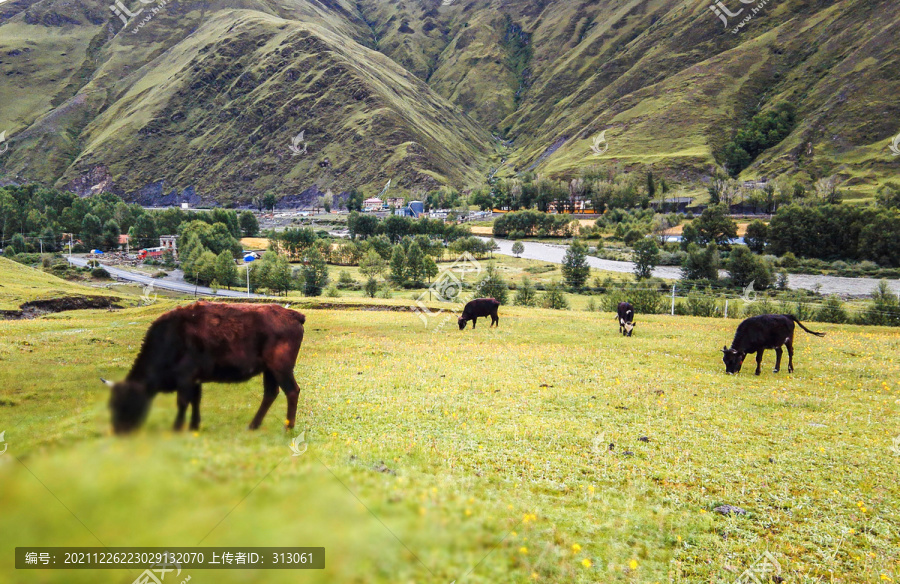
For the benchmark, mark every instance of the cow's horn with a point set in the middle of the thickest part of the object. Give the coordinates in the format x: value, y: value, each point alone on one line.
x: 107, y: 382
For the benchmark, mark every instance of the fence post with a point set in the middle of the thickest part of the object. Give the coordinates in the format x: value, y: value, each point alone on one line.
x: 726, y: 308
x: 673, y: 299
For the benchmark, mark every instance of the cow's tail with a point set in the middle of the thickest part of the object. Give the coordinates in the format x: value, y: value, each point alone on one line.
x: 794, y: 318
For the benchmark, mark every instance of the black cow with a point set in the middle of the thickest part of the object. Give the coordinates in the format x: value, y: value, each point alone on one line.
x: 479, y: 307
x: 759, y: 333
x: 625, y: 314
x: 206, y: 341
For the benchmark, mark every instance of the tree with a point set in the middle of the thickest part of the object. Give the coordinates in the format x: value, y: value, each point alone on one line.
x: 744, y: 267
x: 518, y: 248
x: 371, y: 287
x: 430, y: 267
x: 144, y: 232
x: 269, y: 201
x: 415, y: 267
x: 91, y: 229
x: 372, y: 264
x: 651, y: 186
x: 205, y: 267
x: 249, y: 224
x: 315, y: 273
x: 492, y: 285
x: 555, y: 297
x: 701, y: 263
x: 888, y: 195
x: 398, y: 265
x: 111, y: 233
x: 525, y: 294
x: 226, y: 270
x: 714, y: 225
x: 757, y: 234
x: 646, y: 257
x: 17, y: 243
x: 355, y: 200
x: 575, y: 267
x: 279, y: 273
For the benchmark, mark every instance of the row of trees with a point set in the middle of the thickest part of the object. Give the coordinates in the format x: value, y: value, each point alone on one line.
x: 530, y: 223
x: 394, y: 227
x: 42, y: 215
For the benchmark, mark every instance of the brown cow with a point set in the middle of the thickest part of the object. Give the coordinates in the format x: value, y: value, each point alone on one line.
x: 205, y: 341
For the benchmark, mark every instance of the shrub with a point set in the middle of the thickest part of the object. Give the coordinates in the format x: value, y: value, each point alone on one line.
x: 788, y: 260
x: 332, y: 291
x: 555, y: 297
x: 832, y: 310
x: 698, y: 304
x: 525, y: 295
x: 492, y: 285
x: 371, y: 287
x: 100, y: 274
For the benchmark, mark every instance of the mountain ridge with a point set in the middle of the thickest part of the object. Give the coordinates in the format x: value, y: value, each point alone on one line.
x: 444, y: 88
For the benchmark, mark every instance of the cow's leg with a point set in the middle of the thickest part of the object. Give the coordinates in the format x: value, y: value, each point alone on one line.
x: 183, y: 399
x: 790, y: 347
x: 291, y: 391
x: 474, y: 322
x: 270, y: 392
x: 778, y: 352
x: 495, y: 320
x: 195, y: 408
x: 759, y: 355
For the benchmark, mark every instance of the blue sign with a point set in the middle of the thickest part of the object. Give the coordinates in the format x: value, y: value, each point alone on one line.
x: 249, y: 258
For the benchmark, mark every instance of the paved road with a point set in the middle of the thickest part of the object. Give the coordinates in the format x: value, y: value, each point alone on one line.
x: 166, y: 284
x: 554, y: 253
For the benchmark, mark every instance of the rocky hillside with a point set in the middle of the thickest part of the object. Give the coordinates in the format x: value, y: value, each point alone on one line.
x: 222, y: 100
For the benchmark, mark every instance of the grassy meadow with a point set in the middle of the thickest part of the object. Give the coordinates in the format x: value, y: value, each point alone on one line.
x: 548, y: 450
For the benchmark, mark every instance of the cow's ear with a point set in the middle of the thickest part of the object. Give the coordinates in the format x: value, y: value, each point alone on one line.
x: 107, y: 382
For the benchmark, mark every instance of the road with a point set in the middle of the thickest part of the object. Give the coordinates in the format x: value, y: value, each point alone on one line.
x: 554, y: 253
x: 166, y: 284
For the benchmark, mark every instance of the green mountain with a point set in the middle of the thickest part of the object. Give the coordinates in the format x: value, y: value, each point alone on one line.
x: 212, y: 96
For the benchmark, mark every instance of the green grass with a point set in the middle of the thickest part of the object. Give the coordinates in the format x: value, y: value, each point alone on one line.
x: 499, y: 440
x: 22, y: 284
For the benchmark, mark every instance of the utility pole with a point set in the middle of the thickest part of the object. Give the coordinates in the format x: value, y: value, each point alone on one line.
x: 248, y: 280
x: 42, y: 246
x: 196, y: 282
x: 673, y: 299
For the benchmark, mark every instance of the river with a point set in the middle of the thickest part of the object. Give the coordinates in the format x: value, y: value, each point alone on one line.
x: 554, y: 253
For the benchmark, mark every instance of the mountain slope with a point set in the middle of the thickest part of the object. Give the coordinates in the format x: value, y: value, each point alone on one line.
x: 209, y: 94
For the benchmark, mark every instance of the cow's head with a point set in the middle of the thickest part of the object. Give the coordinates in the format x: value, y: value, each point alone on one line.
x: 462, y: 322
x: 129, y: 404
x: 629, y: 328
x: 733, y: 359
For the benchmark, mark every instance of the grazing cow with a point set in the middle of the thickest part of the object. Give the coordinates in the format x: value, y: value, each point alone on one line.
x: 759, y: 333
x: 479, y: 307
x: 626, y: 318
x: 205, y: 341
